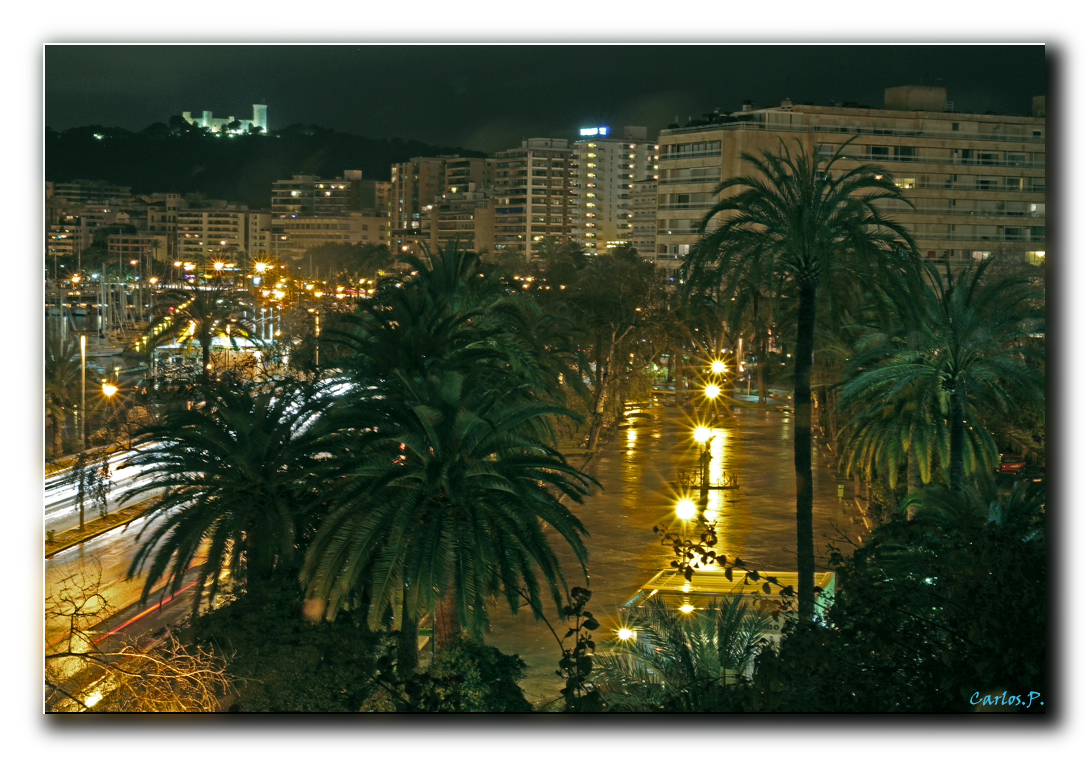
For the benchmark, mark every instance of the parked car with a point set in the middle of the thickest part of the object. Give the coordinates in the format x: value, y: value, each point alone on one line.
x: 1011, y: 464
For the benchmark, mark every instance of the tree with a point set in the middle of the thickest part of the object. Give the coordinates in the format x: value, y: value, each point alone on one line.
x: 201, y: 312
x: 972, y: 350
x: 682, y: 662
x: 798, y: 223
x: 459, y: 517
x: 62, y: 384
x: 242, y: 471
x: 613, y: 299
x: 89, y: 672
x: 930, y: 610
x: 449, y: 363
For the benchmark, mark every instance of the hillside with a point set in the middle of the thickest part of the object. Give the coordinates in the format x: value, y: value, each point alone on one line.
x: 163, y: 158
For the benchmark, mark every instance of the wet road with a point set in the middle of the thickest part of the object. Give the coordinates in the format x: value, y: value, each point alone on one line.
x: 638, y: 470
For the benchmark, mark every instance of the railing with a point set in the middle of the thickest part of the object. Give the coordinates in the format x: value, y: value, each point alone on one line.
x: 973, y: 188
x: 693, y: 154
x: 850, y: 130
x: 685, y: 206
x: 898, y: 210
x: 948, y: 161
x: 692, y: 180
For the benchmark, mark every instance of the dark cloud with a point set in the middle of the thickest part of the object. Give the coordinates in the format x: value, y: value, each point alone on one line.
x: 487, y: 97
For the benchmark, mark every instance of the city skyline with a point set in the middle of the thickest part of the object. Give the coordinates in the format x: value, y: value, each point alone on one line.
x: 489, y: 97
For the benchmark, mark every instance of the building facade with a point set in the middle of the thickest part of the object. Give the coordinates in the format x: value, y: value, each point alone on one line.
x: 535, y: 186
x: 607, y: 168
x: 414, y: 184
x: 294, y: 236
x: 643, y: 199
x: 468, y: 216
x: 86, y: 191
x: 976, y: 181
x: 232, y: 234
x: 306, y: 195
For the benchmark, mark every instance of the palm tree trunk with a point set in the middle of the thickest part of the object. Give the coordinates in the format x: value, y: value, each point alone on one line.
x: 957, y: 436
x: 206, y: 359
x: 447, y: 626
x: 804, y: 476
x: 58, y: 434
x: 602, y: 368
x: 913, y: 480
x: 408, y: 649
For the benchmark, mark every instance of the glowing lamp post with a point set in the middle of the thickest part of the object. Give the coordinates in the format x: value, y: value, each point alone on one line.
x: 703, y: 435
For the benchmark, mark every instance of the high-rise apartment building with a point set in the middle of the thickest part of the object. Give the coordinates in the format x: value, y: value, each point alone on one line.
x: 535, y: 188
x: 235, y: 234
x: 976, y: 181
x: 414, y: 184
x: 607, y: 167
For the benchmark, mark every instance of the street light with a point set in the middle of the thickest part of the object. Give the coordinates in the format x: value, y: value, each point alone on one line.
x: 712, y: 391
x: 718, y: 367
x: 685, y: 509
x: 109, y: 390
x: 624, y: 634
x: 702, y: 434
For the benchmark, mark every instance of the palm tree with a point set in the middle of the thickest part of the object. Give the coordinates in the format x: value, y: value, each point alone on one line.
x: 972, y: 351
x: 441, y: 355
x: 242, y: 472
x: 799, y: 223
x: 459, y: 517
x: 682, y: 662
x: 62, y: 384
x: 201, y: 313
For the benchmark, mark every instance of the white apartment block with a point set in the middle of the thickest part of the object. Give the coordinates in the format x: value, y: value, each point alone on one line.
x: 607, y: 168
x: 209, y: 234
x: 976, y: 181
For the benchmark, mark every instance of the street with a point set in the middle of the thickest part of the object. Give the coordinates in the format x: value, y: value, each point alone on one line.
x: 756, y: 522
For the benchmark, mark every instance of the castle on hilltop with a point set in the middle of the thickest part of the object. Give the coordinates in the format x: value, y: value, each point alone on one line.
x: 260, y: 120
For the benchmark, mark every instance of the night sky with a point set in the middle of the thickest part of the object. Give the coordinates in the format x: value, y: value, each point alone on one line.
x: 489, y: 97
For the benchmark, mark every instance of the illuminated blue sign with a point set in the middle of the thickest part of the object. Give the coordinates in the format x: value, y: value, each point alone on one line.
x: 595, y: 131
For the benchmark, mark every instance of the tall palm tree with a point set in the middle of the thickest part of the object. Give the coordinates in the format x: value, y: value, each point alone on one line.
x: 800, y: 223
x: 459, y: 517
x: 200, y: 313
x: 971, y: 351
x: 242, y: 472
x: 442, y: 353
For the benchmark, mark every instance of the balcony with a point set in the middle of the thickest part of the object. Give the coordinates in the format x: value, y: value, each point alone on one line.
x: 693, y: 154
x: 685, y: 206
x: 849, y: 130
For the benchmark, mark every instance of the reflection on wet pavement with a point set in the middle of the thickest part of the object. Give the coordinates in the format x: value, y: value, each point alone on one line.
x: 640, y: 470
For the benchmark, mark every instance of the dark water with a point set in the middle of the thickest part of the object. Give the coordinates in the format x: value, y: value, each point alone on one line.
x: 637, y: 470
